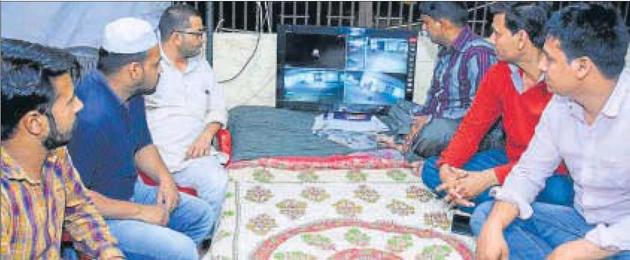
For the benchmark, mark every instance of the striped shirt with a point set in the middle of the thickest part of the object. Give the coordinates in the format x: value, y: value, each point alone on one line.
x: 458, y: 71
x: 34, y: 212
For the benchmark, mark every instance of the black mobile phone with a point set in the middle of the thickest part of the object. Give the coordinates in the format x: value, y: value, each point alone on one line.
x: 461, y: 225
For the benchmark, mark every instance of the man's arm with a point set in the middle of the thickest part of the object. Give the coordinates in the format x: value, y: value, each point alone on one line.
x: 491, y: 243
x: 612, y: 237
x: 522, y: 186
x: 215, y: 118
x: 82, y: 220
x: 149, y: 161
x: 202, y: 145
x: 484, y: 112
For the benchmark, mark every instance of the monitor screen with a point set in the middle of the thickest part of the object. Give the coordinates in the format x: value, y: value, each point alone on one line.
x: 344, y: 69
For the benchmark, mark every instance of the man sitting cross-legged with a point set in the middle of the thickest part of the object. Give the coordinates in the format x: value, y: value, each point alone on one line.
x: 513, y: 89
x: 586, y: 124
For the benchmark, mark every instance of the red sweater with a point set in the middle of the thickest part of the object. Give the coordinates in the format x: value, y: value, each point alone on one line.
x: 498, y: 96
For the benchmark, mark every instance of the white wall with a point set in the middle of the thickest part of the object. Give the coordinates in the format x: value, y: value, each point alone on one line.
x: 257, y: 84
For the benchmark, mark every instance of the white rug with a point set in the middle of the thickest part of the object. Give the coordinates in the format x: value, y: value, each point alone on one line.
x: 334, y: 214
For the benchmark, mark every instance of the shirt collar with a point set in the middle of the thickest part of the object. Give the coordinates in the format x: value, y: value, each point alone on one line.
x: 99, y: 79
x: 613, y: 104
x: 13, y: 171
x: 464, y: 36
x: 168, y: 64
x: 516, y: 74
x: 618, y: 95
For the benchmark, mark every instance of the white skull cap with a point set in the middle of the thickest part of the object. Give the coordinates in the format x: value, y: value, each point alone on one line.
x: 129, y: 35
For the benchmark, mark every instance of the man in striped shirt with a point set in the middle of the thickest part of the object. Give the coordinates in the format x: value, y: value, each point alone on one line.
x: 41, y: 192
x: 463, y: 59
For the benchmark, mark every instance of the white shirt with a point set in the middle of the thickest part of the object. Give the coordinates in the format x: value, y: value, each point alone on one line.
x: 598, y: 159
x: 181, y: 108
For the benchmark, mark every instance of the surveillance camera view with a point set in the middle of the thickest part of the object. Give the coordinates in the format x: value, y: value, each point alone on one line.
x: 351, y: 69
x: 387, y: 55
x: 312, y: 85
x: 377, y: 54
x: 373, y: 87
x: 315, y: 51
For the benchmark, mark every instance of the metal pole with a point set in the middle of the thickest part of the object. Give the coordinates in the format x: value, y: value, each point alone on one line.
x: 319, y: 13
x: 209, y: 34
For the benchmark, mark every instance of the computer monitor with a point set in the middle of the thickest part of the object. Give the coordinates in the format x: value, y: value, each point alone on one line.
x: 344, y: 68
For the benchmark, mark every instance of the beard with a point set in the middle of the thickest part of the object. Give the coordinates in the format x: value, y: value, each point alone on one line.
x: 56, y: 138
x: 145, y: 87
x: 190, y: 52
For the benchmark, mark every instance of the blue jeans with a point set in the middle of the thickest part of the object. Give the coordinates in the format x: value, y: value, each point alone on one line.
x: 558, y: 189
x: 189, y: 224
x: 208, y: 177
x: 549, y: 227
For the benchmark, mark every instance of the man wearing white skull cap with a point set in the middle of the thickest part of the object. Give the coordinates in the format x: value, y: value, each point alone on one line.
x: 112, y: 142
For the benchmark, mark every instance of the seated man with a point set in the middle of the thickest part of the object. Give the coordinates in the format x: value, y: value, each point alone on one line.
x: 41, y: 193
x: 513, y: 89
x: 112, y: 143
x: 463, y: 59
x: 587, y: 124
x: 188, y: 108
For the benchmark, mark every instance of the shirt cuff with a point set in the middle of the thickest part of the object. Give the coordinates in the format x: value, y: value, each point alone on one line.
x: 217, y: 117
x: 110, y: 252
x: 605, y: 239
x: 525, y: 210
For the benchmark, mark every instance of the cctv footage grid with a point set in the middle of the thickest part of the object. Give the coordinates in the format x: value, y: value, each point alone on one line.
x: 353, y: 69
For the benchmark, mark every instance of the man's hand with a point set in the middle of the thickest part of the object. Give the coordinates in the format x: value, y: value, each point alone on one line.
x: 200, y: 147
x: 491, y: 244
x: 474, y: 183
x: 579, y: 249
x: 168, y: 196
x: 152, y: 214
x: 416, y: 128
x: 450, y: 183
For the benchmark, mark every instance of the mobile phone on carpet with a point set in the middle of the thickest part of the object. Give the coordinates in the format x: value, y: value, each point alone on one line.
x: 461, y: 225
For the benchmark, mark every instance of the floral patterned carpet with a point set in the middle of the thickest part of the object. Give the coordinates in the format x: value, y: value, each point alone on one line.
x: 280, y: 213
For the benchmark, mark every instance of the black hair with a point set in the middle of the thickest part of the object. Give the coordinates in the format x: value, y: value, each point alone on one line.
x: 452, y: 11
x: 26, y: 71
x: 110, y: 62
x: 596, y: 31
x: 174, y: 18
x: 527, y: 16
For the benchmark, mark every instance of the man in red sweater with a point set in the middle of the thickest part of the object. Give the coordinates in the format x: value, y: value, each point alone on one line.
x: 513, y: 89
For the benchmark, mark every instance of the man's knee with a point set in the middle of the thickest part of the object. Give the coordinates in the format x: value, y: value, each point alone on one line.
x: 199, y: 217
x: 435, y: 137
x: 430, y: 173
x: 479, y: 216
x: 140, y: 240
x: 179, y: 247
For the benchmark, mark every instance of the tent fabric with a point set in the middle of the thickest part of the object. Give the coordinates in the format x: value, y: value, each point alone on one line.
x: 70, y: 24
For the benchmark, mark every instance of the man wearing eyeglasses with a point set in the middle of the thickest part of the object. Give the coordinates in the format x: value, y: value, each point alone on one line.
x: 188, y: 107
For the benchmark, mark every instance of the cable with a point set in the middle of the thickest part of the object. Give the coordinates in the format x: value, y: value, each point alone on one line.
x: 259, y: 7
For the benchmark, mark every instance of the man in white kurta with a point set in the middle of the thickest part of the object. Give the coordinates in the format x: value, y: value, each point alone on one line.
x: 188, y: 107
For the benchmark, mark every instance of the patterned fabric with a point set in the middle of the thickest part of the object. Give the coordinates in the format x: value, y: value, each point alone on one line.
x: 377, y: 159
x: 457, y: 74
x: 273, y: 213
x: 34, y: 212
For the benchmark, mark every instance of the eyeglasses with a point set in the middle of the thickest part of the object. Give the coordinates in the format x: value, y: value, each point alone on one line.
x: 199, y: 33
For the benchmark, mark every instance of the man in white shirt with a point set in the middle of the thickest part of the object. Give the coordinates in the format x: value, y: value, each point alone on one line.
x: 587, y: 125
x: 188, y: 107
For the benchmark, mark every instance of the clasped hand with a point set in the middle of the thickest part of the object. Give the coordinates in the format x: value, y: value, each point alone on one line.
x: 463, y: 186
